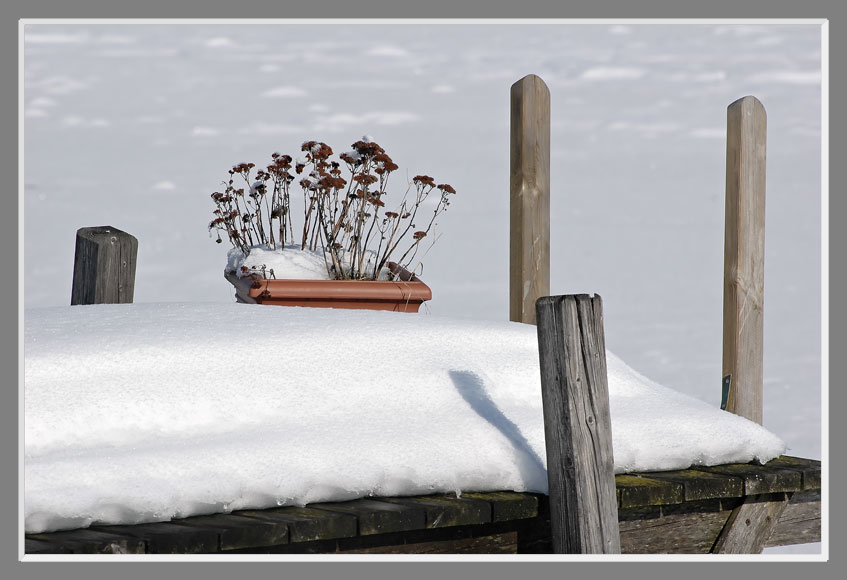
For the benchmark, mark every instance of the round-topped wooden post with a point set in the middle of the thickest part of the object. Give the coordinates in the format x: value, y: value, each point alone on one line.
x: 744, y: 258
x: 529, y: 184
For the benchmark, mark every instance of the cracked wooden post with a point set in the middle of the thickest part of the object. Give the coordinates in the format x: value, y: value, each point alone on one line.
x: 104, y: 266
x: 529, y: 185
x: 577, y: 425
x: 744, y: 259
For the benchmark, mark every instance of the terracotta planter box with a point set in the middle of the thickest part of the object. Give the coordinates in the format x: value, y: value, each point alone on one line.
x: 404, y: 295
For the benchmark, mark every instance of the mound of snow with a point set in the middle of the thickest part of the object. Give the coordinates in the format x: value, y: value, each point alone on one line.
x: 147, y: 412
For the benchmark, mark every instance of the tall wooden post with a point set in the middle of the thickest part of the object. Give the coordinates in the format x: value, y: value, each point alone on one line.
x: 104, y: 266
x: 529, y: 216
x: 577, y: 425
x: 751, y: 523
x: 744, y: 258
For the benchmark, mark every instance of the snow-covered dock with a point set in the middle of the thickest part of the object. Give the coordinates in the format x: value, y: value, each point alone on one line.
x: 670, y: 512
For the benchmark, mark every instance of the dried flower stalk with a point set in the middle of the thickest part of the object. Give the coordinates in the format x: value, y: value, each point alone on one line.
x: 342, y: 217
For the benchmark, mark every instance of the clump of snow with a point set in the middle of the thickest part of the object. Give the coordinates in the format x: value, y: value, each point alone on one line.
x: 148, y: 412
x: 163, y: 186
x: 205, y: 132
x: 604, y: 73
x: 291, y: 263
x: 284, y: 92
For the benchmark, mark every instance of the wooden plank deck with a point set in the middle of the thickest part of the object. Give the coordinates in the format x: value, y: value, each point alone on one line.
x: 661, y: 512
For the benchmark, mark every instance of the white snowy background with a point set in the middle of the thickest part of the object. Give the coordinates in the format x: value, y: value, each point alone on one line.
x: 135, y: 125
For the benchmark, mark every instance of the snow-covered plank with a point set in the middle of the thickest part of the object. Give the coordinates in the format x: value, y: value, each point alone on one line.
x: 656, y: 517
x: 132, y: 409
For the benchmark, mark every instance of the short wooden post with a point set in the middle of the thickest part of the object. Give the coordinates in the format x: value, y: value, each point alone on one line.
x: 744, y: 258
x: 577, y: 425
x: 104, y: 266
x: 529, y: 216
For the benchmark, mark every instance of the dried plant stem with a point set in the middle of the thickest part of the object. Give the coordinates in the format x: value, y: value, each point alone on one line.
x: 341, y: 216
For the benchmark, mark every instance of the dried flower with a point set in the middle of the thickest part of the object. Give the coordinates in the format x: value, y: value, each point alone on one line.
x: 340, y: 215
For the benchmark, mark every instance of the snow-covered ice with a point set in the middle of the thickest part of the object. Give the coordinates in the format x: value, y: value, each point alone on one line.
x: 148, y: 412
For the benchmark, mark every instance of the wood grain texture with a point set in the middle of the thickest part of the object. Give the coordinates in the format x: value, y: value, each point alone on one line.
x: 88, y: 541
x: 529, y: 185
x: 104, y: 266
x: 504, y: 543
x: 577, y: 425
x: 508, y: 505
x: 236, y: 532
x: 379, y: 517
x: 809, y: 469
x: 689, y: 528
x: 800, y: 523
x: 307, y: 524
x: 644, y: 491
x: 759, y: 479
x: 168, y: 538
x: 699, y: 485
x: 448, y: 511
x: 744, y: 256
x: 751, y: 524
x: 32, y: 546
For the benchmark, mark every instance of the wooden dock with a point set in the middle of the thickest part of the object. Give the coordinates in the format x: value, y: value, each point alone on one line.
x: 671, y: 512
x: 728, y: 509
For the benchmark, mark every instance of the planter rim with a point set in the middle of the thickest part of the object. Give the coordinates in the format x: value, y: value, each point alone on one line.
x: 341, y: 289
x: 299, y: 292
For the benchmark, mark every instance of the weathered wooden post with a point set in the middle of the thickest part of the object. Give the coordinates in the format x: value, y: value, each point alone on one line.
x: 744, y: 258
x: 104, y: 266
x: 577, y: 425
x: 529, y: 184
x: 749, y: 525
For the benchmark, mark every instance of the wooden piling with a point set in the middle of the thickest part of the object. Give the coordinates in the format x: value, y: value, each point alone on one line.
x: 577, y: 425
x: 529, y: 216
x: 104, y: 266
x: 744, y: 257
